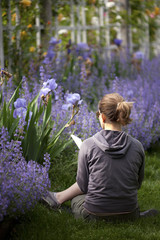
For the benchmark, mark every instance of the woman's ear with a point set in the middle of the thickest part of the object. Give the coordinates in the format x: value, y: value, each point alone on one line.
x: 103, y: 117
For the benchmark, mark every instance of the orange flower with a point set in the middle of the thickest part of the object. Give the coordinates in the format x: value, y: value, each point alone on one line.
x: 13, y: 38
x: 156, y: 11
x: 60, y: 16
x: 26, y: 3
x: 29, y: 26
x: 44, y: 54
x: 23, y: 34
x: 32, y: 49
x: 49, y: 22
x: 148, y: 12
x: 13, y: 17
x: 92, y: 1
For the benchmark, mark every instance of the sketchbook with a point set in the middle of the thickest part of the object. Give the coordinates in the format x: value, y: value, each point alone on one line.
x: 77, y: 140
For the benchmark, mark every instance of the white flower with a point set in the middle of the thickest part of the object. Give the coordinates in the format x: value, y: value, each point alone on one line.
x: 118, y: 17
x: 109, y: 4
x: 95, y: 21
x: 62, y: 31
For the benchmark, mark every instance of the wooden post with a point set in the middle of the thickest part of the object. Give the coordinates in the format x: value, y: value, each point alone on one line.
x: 84, y: 36
x: 46, y: 16
x: 145, y: 41
x: 156, y: 46
x: 1, y: 38
x: 17, y: 24
x: 56, y: 27
x: 97, y: 25
x: 124, y: 25
x: 9, y: 30
x: 118, y: 25
x: 72, y: 23
x: 129, y: 30
x: 38, y: 30
x: 107, y: 27
x: 78, y: 25
x: 101, y: 22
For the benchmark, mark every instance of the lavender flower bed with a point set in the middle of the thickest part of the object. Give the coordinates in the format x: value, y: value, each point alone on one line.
x: 146, y: 109
x: 22, y: 184
x: 92, y: 75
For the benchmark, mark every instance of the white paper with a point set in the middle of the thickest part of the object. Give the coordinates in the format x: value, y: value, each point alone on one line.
x: 77, y: 140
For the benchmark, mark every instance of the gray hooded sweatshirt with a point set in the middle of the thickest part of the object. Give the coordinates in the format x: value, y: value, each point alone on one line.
x: 110, y: 171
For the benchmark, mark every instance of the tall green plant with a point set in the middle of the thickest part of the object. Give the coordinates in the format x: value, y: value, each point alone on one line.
x: 35, y: 129
x: 6, y: 113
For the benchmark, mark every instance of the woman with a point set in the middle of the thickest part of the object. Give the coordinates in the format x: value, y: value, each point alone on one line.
x: 110, y: 168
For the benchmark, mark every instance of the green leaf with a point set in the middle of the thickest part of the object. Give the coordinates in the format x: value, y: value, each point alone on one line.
x: 14, y: 96
x: 55, y: 138
x: 58, y: 148
x: 47, y: 114
x: 1, y: 97
x: 4, y: 114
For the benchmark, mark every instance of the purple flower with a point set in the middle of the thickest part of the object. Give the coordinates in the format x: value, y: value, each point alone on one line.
x: 74, y: 99
x: 54, y: 41
x: 66, y: 106
x: 20, y: 109
x: 50, y: 54
x: 20, y: 102
x: 82, y: 46
x: 20, y: 112
x: 138, y: 55
x: 51, y: 84
x: 117, y: 41
x: 22, y: 184
x: 45, y: 91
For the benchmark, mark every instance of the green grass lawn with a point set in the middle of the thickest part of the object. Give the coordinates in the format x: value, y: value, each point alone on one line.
x: 45, y: 224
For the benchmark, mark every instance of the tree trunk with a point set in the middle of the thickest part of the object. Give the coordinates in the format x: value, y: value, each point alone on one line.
x: 46, y: 16
x: 126, y: 27
x: 1, y: 39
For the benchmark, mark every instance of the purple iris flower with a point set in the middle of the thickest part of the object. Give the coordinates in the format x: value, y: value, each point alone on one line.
x: 74, y: 99
x: 66, y: 106
x: 20, y: 109
x: 117, y: 41
x: 68, y: 50
x: 20, y: 102
x: 54, y: 41
x: 45, y: 91
x: 82, y: 46
x: 51, y: 83
x: 139, y: 55
x: 50, y: 54
x: 83, y: 50
x: 20, y: 112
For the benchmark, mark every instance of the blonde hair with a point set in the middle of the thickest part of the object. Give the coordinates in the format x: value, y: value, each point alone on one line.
x: 116, y: 108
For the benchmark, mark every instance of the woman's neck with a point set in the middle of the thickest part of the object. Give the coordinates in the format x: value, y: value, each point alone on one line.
x: 112, y: 126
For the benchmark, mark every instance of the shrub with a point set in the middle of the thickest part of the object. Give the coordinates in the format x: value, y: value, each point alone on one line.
x: 22, y: 184
x: 146, y: 109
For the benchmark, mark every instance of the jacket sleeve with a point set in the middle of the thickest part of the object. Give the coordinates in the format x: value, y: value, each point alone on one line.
x: 141, y: 170
x: 82, y: 171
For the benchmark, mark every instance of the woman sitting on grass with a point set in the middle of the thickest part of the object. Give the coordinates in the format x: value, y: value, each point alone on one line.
x: 110, y: 169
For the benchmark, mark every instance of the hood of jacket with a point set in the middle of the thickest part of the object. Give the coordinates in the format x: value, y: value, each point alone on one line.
x: 114, y: 142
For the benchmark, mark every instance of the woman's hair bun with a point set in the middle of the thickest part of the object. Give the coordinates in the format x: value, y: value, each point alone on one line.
x: 123, y: 112
x: 116, y: 108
